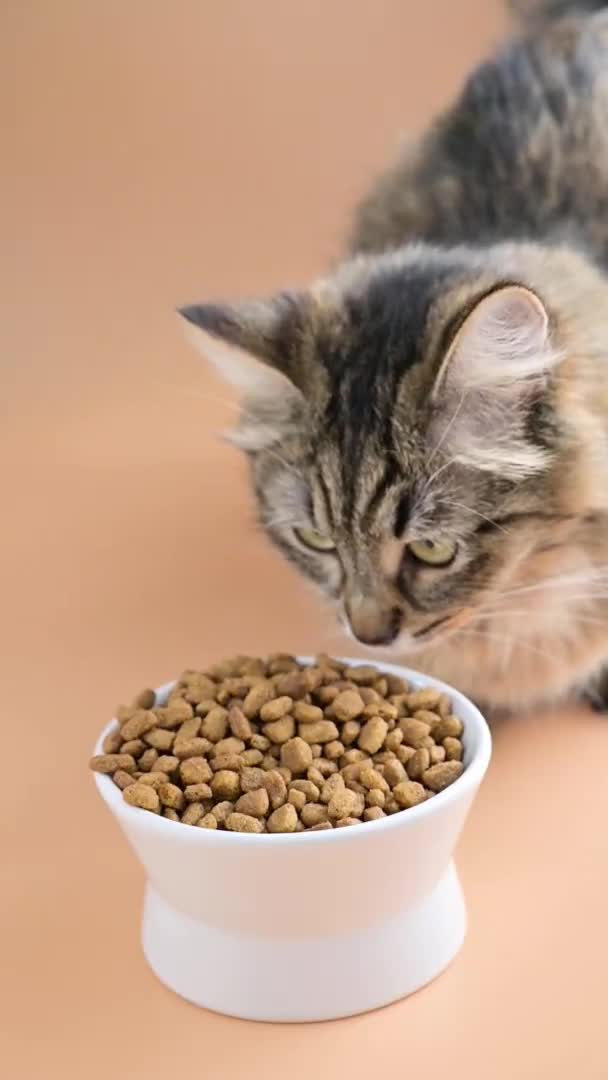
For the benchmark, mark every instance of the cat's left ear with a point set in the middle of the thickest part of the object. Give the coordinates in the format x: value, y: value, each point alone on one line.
x: 501, y: 356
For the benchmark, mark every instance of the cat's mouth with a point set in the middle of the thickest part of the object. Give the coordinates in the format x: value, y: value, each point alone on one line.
x: 424, y: 631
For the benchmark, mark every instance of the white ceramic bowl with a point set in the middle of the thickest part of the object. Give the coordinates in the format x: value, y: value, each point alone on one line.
x: 311, y: 926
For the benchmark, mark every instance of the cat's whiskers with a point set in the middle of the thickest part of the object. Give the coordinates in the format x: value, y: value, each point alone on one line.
x: 477, y: 513
x: 514, y: 642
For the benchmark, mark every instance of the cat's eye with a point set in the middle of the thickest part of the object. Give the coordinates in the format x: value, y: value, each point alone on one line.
x: 315, y: 540
x: 433, y: 552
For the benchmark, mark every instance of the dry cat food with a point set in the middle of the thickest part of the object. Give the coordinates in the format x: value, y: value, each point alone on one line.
x: 274, y: 746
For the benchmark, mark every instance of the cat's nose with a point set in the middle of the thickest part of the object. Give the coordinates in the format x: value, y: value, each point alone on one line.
x: 373, y: 625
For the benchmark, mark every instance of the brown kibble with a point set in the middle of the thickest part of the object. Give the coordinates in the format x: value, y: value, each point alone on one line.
x: 439, y: 777
x: 352, y: 770
x: 113, y: 742
x: 307, y: 714
x: 134, y: 747
x: 233, y: 762
x: 110, y: 763
x: 283, y: 820
x: 333, y: 750
x: 253, y: 803
x: 423, y: 699
x: 275, y: 709
x: 189, y: 729
x: 350, y: 732
x: 146, y: 699
x: 252, y: 778
x: 452, y: 748
x: 198, y: 792
x: 325, y: 695
x: 314, y: 775
x: 167, y: 763
x: 276, y: 787
x: 313, y: 814
x: 208, y: 821
x: 142, y: 796
x: 154, y: 779
x: 418, y: 764
x: 243, y: 823
x: 296, y: 755
x: 372, y: 735
x: 310, y: 790
x: 221, y: 811
x: 171, y: 795
x: 138, y: 725
x: 259, y: 742
x: 409, y: 793
x: 215, y: 724
x: 404, y: 753
x: 193, y: 813
x: 323, y: 731
x: 348, y: 705
x: 226, y: 785
x: 279, y: 731
x: 294, y: 685
x: 190, y: 748
x: 148, y: 760
x: 415, y: 733
x: 239, y: 724
x: 371, y: 778
x: 346, y: 803
x: 393, y: 739
x: 122, y: 779
x: 394, y: 772
x: 326, y: 768
x: 160, y: 739
x: 297, y: 799
x: 205, y: 706
x: 448, y: 727
x: 257, y: 697
x: 276, y: 746
x: 331, y: 786
x: 230, y: 746
x: 195, y: 771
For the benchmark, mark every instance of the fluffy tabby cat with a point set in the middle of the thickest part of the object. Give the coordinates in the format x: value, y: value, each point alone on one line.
x: 427, y: 425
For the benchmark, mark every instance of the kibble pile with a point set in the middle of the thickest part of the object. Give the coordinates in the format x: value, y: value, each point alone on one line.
x: 274, y: 746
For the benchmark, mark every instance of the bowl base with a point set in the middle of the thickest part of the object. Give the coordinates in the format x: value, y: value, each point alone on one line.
x: 333, y: 977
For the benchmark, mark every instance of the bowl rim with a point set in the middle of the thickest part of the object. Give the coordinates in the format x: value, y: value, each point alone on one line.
x: 466, y: 784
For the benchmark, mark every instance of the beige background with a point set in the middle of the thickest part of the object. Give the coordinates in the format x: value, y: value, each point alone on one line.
x: 157, y: 152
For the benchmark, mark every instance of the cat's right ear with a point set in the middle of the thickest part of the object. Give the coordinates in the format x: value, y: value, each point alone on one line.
x: 256, y: 346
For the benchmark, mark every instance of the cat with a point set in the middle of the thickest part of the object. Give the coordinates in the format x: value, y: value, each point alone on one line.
x: 427, y: 425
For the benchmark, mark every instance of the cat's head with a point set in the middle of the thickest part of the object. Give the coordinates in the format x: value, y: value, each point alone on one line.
x: 403, y: 423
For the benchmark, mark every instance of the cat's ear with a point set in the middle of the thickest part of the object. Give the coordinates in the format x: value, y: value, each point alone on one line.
x: 252, y: 344
x: 256, y: 346
x: 500, y: 358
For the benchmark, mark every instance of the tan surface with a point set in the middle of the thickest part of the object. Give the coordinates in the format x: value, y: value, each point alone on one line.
x: 156, y: 152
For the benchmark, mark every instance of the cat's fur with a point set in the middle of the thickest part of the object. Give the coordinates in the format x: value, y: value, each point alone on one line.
x: 449, y: 382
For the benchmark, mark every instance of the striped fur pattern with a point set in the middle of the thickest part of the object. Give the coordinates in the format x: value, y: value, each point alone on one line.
x: 445, y: 388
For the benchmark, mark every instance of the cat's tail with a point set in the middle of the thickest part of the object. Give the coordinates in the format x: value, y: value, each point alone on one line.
x: 539, y: 11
